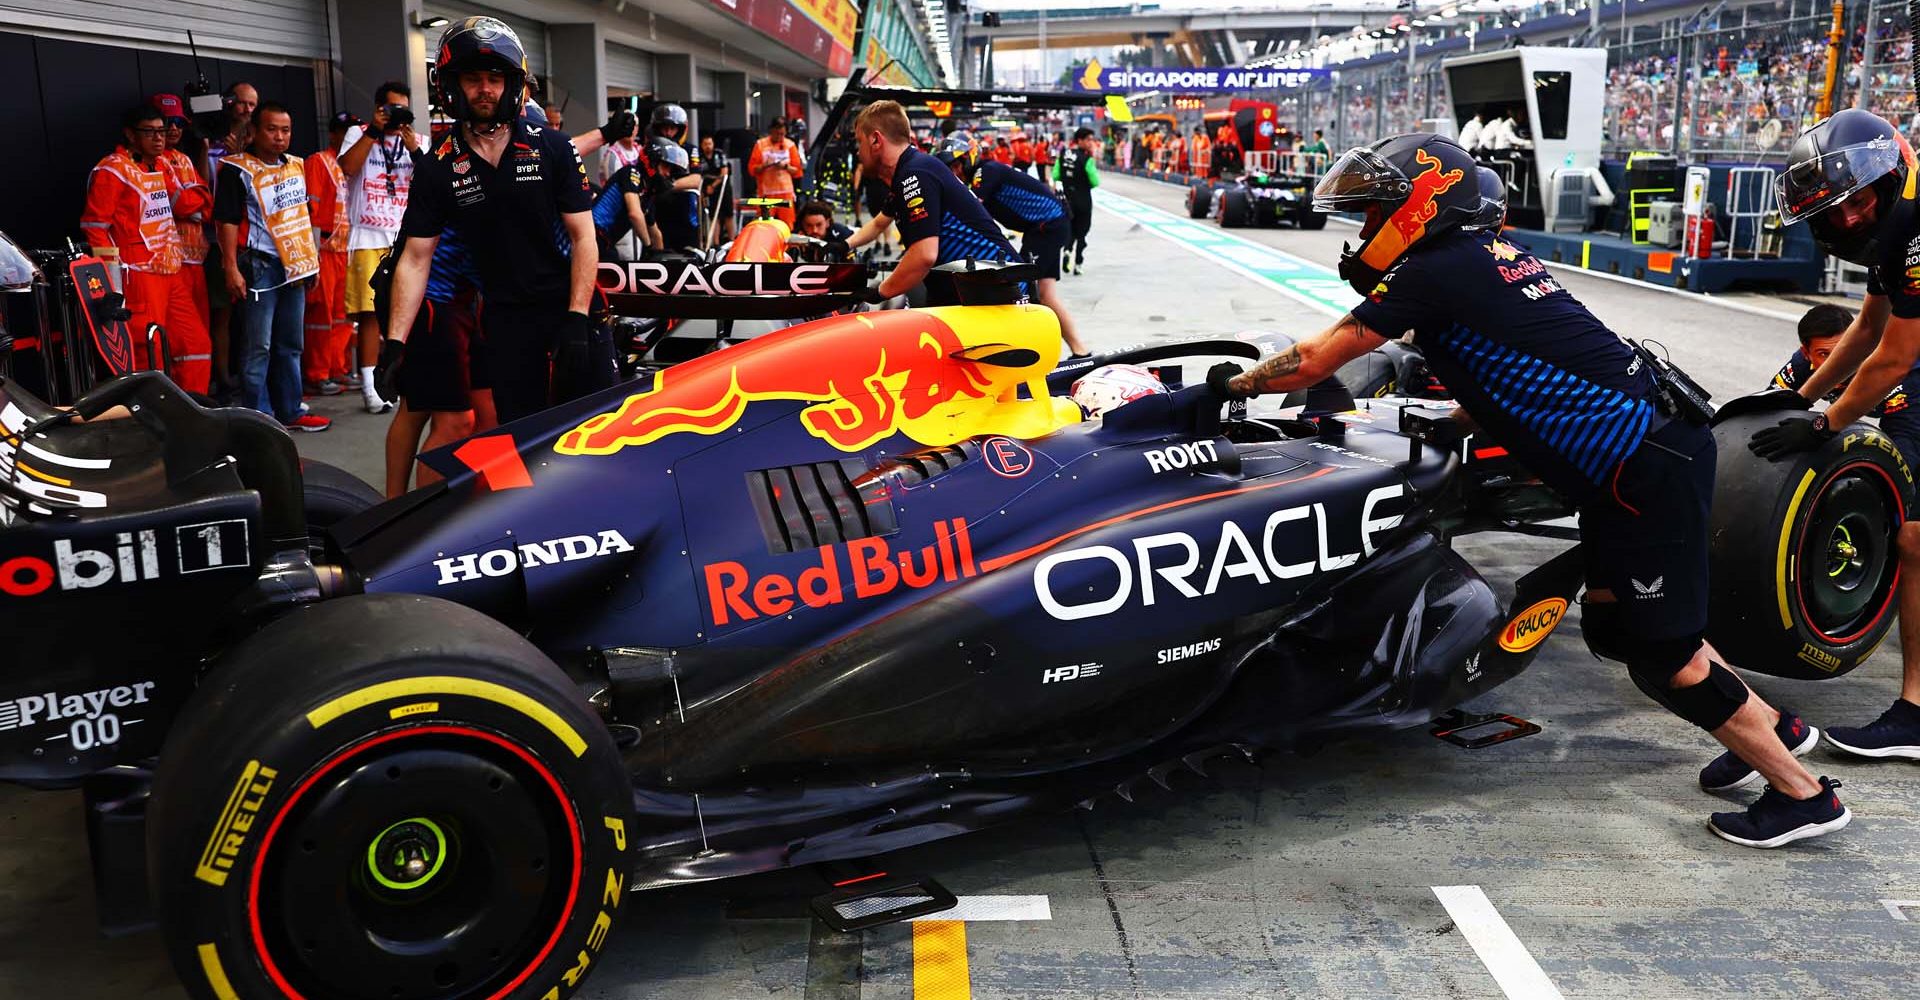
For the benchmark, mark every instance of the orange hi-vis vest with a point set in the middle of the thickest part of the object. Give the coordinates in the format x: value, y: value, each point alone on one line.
x: 279, y: 205
x: 193, y: 235
x: 327, y: 189
x: 130, y: 207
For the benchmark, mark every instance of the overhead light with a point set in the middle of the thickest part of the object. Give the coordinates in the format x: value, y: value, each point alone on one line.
x: 428, y: 22
x: 756, y: 93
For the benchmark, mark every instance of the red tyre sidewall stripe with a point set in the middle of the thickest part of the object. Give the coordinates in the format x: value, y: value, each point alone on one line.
x: 266, y: 844
x: 1893, y: 586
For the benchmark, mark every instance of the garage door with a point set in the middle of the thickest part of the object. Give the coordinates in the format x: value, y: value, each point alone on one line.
x: 533, y: 34
x: 706, y: 85
x: 288, y: 29
x: 629, y: 70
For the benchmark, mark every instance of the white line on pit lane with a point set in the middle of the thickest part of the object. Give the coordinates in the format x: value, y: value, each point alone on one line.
x: 1170, y: 234
x: 1513, y: 967
x: 974, y: 909
x: 1898, y: 907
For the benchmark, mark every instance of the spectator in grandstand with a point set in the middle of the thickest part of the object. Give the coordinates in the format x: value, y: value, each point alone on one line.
x: 378, y: 161
x: 133, y: 196
x: 264, y: 191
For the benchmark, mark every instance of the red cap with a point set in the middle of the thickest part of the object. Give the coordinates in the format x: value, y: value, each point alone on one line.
x: 170, y: 105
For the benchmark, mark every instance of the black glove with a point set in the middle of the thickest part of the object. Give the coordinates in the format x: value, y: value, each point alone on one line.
x: 582, y: 358
x: 387, y: 372
x: 871, y: 294
x: 837, y: 250
x: 620, y: 125
x: 1219, y: 380
x: 1790, y: 435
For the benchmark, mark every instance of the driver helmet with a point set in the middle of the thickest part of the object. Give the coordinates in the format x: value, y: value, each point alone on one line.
x: 667, y: 116
x: 668, y: 157
x: 1851, y: 152
x: 1110, y: 387
x: 1412, y: 187
x: 959, y: 148
x: 1492, y: 214
x: 480, y: 43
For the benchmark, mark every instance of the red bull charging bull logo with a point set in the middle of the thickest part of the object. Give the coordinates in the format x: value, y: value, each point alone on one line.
x: 868, y: 376
x: 1409, y: 222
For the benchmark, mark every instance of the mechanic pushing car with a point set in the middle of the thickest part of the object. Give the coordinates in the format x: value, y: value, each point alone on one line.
x: 1587, y: 414
x: 1017, y: 201
x: 940, y: 220
x: 1852, y: 179
x: 517, y: 195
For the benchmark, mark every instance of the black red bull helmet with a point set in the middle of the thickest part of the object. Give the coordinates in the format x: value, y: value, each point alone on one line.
x: 959, y: 148
x: 1493, y: 203
x: 666, y: 116
x: 668, y: 158
x: 480, y: 43
x: 1411, y: 187
x: 1851, y: 152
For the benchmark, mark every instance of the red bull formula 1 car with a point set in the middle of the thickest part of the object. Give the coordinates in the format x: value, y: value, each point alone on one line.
x: 856, y: 585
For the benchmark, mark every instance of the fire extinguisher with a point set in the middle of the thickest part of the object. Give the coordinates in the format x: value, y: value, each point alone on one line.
x: 1699, y: 241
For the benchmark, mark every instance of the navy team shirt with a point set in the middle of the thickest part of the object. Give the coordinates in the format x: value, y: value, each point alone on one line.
x: 927, y: 200
x: 1015, y: 199
x: 1529, y: 363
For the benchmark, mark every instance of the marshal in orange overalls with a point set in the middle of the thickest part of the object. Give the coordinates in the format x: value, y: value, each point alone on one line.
x: 768, y: 165
x: 130, y: 214
x: 329, y: 334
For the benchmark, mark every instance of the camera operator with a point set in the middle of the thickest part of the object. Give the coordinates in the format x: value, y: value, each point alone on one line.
x: 378, y: 160
x: 509, y: 190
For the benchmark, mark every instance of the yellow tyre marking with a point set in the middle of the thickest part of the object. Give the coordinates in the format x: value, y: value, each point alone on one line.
x: 417, y: 708
x: 940, y: 961
x: 484, y: 690
x: 1780, y: 562
x: 37, y: 474
x: 215, y: 973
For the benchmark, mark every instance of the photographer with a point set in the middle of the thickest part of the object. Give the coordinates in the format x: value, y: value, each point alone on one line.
x: 378, y: 160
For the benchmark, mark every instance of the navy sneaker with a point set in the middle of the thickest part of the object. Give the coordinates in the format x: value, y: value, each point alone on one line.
x: 1896, y: 733
x: 1728, y: 772
x: 1775, y: 820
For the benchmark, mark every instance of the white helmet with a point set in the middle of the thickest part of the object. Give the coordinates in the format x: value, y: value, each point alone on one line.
x: 1111, y: 386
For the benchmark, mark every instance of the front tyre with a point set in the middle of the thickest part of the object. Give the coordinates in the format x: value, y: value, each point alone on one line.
x: 1804, y: 562
x: 387, y: 796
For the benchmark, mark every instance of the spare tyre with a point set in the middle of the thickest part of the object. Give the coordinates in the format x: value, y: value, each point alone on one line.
x: 1803, y: 551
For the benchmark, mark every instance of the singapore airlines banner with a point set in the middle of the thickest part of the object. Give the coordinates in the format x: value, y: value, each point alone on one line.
x: 1191, y: 79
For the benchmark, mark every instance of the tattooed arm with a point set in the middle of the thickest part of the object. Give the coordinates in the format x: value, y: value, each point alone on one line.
x: 1310, y: 360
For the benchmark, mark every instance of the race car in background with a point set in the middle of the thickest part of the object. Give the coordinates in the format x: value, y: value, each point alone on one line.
x: 1261, y: 195
x: 853, y: 585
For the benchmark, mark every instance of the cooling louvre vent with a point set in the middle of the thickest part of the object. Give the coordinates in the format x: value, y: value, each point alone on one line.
x: 919, y: 466
x: 806, y: 506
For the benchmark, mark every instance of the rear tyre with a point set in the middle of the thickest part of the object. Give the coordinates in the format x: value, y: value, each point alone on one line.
x: 387, y: 796
x: 333, y: 494
x: 1236, y: 209
x: 1804, y: 562
x: 1310, y: 219
x: 1199, y: 199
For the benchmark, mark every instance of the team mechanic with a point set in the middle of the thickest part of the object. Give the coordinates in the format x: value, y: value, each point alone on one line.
x: 516, y: 194
x: 1852, y: 179
x: 1573, y: 403
x: 940, y: 220
x: 1025, y: 205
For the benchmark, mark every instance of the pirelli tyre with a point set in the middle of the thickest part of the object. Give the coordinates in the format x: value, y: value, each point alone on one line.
x: 1803, y: 550
x: 1236, y: 209
x: 1199, y: 199
x: 1310, y: 219
x: 387, y: 796
x: 333, y: 494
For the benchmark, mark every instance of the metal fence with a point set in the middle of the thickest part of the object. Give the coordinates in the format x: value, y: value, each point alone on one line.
x: 1741, y: 82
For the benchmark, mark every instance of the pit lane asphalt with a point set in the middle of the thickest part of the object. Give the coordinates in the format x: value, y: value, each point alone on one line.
x: 1300, y: 877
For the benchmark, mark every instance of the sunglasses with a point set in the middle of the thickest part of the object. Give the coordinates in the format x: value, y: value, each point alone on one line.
x: 150, y: 131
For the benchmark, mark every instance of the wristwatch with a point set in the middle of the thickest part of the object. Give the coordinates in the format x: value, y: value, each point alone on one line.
x: 1820, y: 422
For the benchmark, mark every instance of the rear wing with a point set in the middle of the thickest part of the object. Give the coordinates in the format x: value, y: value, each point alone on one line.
x: 693, y: 289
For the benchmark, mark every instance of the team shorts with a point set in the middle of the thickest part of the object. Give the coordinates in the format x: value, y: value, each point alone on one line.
x: 1645, y: 533
x: 443, y: 363
x: 360, y: 267
x: 1044, y: 246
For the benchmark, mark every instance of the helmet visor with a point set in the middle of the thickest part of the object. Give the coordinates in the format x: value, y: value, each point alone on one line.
x: 1810, y: 187
x: 1359, y: 176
